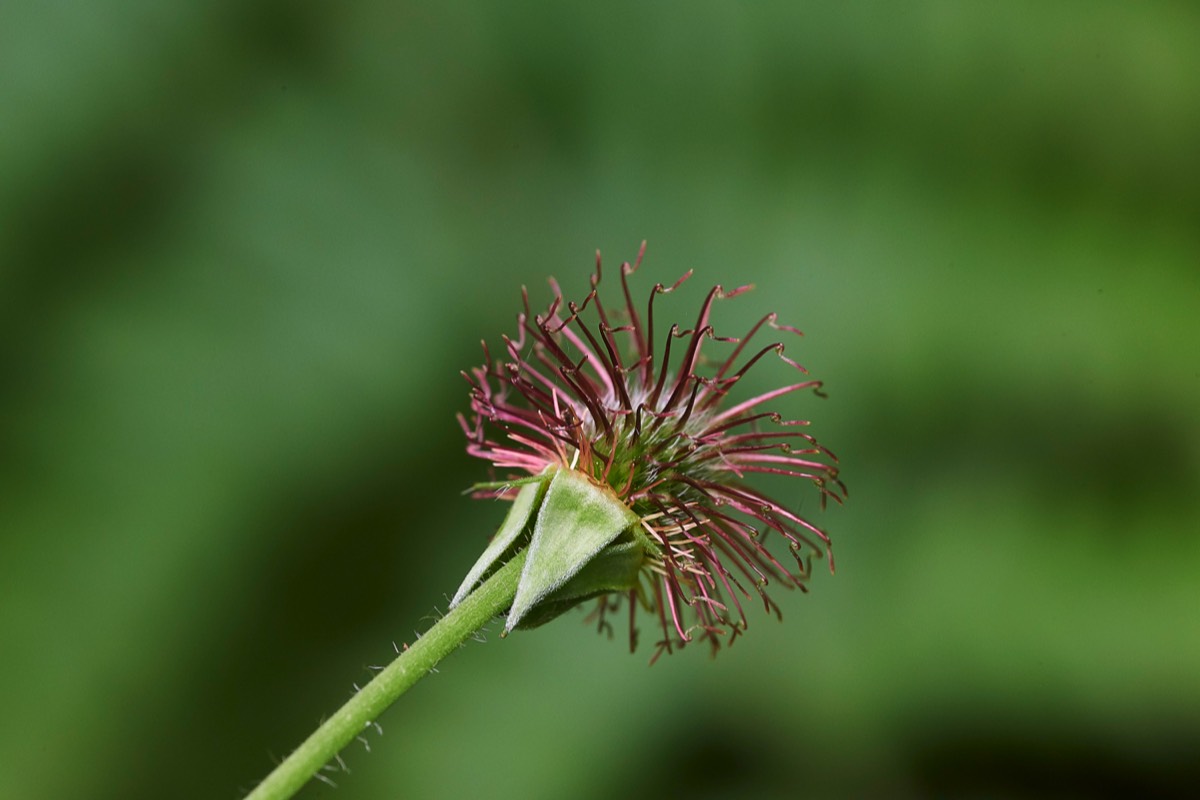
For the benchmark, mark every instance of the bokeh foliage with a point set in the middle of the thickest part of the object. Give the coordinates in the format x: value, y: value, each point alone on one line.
x: 246, y: 248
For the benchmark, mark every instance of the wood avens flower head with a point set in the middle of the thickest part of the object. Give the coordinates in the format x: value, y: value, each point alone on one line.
x: 627, y: 450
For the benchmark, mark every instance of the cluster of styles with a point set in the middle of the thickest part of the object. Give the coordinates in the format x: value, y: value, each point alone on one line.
x: 648, y: 419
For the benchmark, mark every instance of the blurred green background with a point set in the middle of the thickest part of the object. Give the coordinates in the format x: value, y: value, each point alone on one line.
x: 245, y: 249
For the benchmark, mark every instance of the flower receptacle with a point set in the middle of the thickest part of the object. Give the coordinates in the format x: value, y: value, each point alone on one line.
x: 582, y: 543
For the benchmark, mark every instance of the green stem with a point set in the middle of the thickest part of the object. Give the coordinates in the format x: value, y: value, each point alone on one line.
x: 491, y: 598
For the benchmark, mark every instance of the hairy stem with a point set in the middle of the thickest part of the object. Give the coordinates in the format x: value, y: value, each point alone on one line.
x: 491, y: 598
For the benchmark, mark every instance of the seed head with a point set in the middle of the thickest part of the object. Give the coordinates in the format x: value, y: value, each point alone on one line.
x: 644, y: 413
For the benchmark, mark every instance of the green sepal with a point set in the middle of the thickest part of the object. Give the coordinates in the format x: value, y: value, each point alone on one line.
x: 576, y: 521
x: 521, y: 513
x: 614, y: 569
